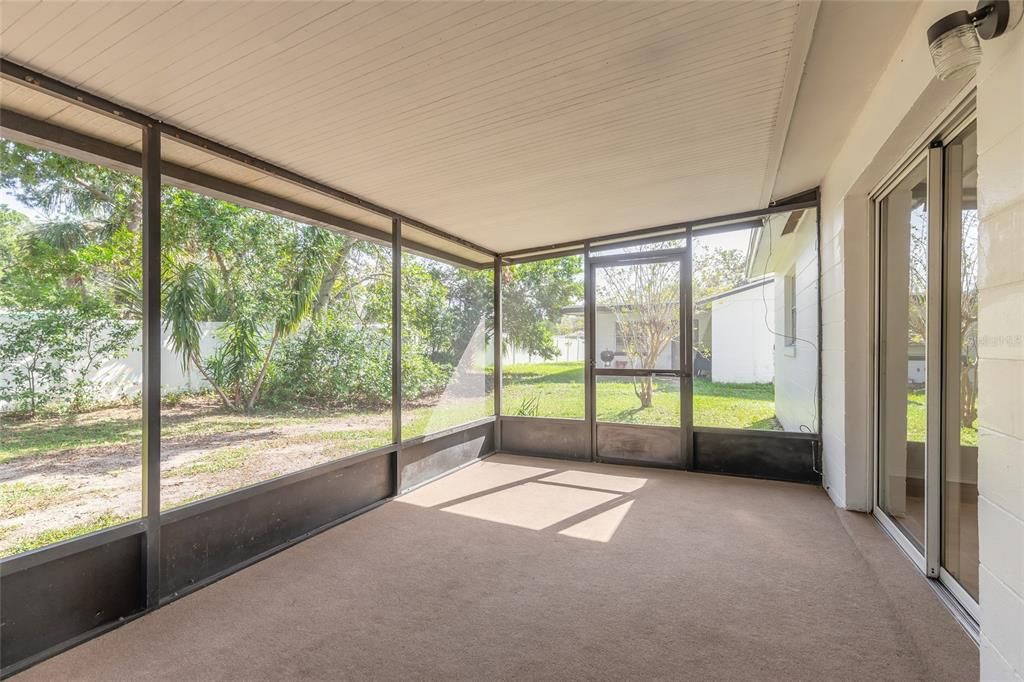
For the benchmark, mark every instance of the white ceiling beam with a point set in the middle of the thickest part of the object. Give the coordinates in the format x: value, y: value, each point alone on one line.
x: 803, y: 33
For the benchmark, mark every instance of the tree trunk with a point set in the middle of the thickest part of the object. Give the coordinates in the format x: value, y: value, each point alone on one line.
x: 202, y: 370
x: 323, y: 295
x: 32, y: 388
x: 135, y: 214
x: 968, y: 397
x: 251, y: 402
x: 644, y: 390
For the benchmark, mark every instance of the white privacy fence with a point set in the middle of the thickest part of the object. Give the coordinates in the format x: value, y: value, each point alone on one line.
x: 121, y: 377
x: 570, y: 349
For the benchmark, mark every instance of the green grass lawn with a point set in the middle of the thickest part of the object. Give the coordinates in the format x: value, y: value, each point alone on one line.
x: 917, y: 417
x: 426, y: 419
x: 556, y: 390
x: 52, y: 536
x: 123, y: 426
x: 237, y: 449
x: 543, y: 390
x: 20, y: 498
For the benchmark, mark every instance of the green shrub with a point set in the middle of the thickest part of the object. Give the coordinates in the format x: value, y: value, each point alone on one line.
x: 48, y: 354
x: 338, y: 361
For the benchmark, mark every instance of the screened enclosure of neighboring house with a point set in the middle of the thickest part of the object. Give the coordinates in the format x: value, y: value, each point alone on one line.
x: 207, y: 358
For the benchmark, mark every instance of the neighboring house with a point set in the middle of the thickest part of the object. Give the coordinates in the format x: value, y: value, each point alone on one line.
x: 608, y: 339
x: 723, y: 351
x: 741, y: 341
x: 762, y: 331
x: 916, y: 365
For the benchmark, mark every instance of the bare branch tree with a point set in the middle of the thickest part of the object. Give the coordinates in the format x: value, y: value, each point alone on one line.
x: 645, y: 298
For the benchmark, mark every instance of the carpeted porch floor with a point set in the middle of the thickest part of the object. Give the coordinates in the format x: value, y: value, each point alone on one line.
x: 529, y: 568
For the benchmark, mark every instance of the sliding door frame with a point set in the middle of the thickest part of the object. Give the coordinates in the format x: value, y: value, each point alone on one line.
x: 942, y: 255
x: 952, y: 282
x: 880, y: 376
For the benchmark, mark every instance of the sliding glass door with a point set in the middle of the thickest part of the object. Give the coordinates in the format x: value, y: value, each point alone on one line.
x: 927, y: 463
x: 959, y: 562
x: 903, y: 354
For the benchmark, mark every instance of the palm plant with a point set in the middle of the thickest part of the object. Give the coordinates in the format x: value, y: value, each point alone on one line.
x: 260, y: 284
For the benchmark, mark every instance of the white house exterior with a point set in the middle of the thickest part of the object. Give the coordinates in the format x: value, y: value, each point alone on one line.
x: 785, y: 249
x: 899, y: 112
x: 741, y: 339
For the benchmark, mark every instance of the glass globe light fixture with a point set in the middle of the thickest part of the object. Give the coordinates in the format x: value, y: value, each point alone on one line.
x: 955, y: 40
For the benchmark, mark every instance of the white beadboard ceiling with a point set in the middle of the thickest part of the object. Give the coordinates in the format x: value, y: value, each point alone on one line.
x: 512, y: 124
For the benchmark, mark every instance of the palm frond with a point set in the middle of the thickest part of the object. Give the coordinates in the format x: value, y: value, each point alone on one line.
x: 127, y: 290
x: 184, y: 307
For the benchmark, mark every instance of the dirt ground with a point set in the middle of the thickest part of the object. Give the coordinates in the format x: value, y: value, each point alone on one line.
x: 203, y: 457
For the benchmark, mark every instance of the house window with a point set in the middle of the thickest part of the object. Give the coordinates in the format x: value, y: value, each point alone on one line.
x: 789, y: 292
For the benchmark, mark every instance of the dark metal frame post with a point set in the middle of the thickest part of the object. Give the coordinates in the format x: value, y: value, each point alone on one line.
x: 496, y: 342
x: 819, y: 454
x: 396, y: 347
x: 589, y: 410
x: 686, y: 354
x: 151, y: 358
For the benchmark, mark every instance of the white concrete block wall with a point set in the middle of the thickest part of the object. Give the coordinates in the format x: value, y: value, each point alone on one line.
x: 1001, y: 351
x: 904, y: 105
x: 796, y: 366
x: 833, y: 331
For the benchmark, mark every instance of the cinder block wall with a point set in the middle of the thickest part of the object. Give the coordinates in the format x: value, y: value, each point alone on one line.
x: 905, y: 103
x: 1001, y: 351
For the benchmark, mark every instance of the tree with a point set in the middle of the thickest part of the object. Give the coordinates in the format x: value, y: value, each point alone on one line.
x: 86, y: 200
x: 35, y: 350
x: 969, y: 318
x: 255, y: 278
x: 917, y: 321
x: 98, y: 335
x: 255, y: 273
x: 55, y: 275
x: 13, y: 226
x: 533, y: 298
x: 717, y: 270
x: 645, y: 300
x: 49, y: 354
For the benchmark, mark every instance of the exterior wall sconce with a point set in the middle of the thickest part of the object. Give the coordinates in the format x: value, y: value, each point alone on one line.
x: 954, y: 42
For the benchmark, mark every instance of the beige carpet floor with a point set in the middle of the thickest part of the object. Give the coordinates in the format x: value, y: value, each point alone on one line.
x: 537, y: 569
